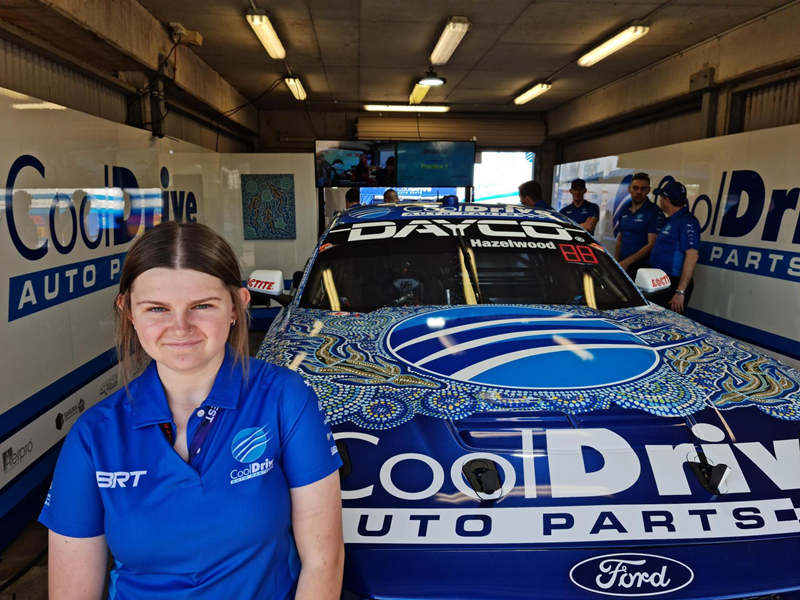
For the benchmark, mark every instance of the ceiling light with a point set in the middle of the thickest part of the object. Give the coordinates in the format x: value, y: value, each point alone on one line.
x: 405, y: 108
x: 622, y: 39
x: 296, y: 87
x: 260, y: 23
x: 418, y: 94
x: 454, y: 32
x: 431, y: 79
x: 537, y: 90
x: 38, y: 106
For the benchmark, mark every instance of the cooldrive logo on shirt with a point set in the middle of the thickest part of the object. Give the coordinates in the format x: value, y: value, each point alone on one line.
x: 247, y: 447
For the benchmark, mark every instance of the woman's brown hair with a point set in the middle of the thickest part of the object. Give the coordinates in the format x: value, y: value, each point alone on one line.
x: 174, y: 245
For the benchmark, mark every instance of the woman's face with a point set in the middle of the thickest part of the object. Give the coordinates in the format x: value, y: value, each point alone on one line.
x: 183, y: 317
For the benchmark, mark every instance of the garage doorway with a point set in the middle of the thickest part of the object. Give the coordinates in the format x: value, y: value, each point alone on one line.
x: 499, y: 174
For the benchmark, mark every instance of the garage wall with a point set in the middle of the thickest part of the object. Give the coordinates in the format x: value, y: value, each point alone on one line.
x: 772, y: 106
x: 686, y: 127
x: 23, y: 71
x: 28, y: 73
x: 189, y: 130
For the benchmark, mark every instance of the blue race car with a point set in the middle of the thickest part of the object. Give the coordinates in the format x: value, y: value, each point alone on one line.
x: 517, y: 421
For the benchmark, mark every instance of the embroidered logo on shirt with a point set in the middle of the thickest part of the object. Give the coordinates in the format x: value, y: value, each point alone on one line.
x: 249, y: 444
x: 247, y: 447
x: 121, y: 479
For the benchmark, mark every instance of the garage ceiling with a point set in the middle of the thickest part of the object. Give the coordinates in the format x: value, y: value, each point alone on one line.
x: 348, y: 52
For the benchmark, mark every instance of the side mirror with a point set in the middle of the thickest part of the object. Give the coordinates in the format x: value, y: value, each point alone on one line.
x: 650, y: 281
x: 266, y: 282
x: 296, y: 279
x: 266, y: 285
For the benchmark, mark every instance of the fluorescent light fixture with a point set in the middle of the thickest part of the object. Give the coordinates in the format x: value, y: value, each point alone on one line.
x: 406, y: 108
x: 38, y: 106
x: 622, y: 39
x: 418, y: 94
x: 296, y: 87
x: 260, y: 23
x: 537, y: 90
x: 454, y: 32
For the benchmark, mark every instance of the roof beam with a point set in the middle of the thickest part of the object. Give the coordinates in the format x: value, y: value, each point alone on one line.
x: 123, y: 36
x: 746, y: 51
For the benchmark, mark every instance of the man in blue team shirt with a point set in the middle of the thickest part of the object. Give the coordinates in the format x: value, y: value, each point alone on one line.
x: 584, y: 213
x: 352, y: 198
x: 677, y: 247
x: 639, y: 224
x: 530, y: 194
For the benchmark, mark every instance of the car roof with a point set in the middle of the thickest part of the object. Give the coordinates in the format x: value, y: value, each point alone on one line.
x: 417, y: 210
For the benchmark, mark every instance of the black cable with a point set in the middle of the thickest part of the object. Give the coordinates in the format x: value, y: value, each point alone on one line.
x: 233, y: 111
x: 308, y: 119
x: 24, y: 570
x: 147, y: 90
x: 419, y: 135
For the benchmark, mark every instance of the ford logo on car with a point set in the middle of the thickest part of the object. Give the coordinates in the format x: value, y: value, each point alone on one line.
x: 632, y: 575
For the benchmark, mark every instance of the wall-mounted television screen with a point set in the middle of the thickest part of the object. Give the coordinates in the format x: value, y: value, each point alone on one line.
x: 377, y: 195
x: 435, y: 164
x: 355, y: 163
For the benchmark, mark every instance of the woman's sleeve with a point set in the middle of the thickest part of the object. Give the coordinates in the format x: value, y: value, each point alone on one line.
x: 309, y: 451
x: 73, y: 507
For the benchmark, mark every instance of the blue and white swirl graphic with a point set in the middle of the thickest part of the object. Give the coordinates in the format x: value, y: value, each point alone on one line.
x: 369, y: 213
x: 518, y: 347
x: 249, y: 444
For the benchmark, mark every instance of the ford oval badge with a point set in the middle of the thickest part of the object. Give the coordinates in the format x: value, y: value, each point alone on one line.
x: 631, y: 575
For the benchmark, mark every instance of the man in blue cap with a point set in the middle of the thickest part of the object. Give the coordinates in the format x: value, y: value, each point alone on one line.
x: 640, y: 220
x: 584, y: 213
x: 677, y: 246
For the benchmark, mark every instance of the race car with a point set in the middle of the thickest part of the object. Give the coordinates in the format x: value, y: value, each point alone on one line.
x: 516, y: 420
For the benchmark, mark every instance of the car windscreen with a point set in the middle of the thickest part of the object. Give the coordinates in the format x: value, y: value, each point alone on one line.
x: 365, y: 266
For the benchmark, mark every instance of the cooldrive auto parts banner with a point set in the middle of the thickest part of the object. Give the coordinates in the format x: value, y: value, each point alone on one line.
x: 744, y: 191
x: 78, y: 191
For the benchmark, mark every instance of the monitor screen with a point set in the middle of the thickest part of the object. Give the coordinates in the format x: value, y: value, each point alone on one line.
x: 432, y: 164
x: 355, y: 163
x: 377, y: 195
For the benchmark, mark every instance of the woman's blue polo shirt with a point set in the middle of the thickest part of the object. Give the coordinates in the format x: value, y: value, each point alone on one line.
x: 217, y: 527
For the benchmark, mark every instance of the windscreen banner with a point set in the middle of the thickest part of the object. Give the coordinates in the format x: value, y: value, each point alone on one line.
x: 744, y: 191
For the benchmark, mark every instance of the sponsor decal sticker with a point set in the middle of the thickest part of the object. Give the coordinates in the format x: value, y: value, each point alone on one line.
x: 13, y: 457
x: 259, y: 284
x: 631, y: 575
x: 369, y: 213
x: 63, y: 418
x: 521, y: 348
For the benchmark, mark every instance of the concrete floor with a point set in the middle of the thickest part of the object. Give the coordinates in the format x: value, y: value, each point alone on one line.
x: 28, y: 545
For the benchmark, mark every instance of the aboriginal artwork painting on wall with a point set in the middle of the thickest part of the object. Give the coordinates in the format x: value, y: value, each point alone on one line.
x: 268, y: 207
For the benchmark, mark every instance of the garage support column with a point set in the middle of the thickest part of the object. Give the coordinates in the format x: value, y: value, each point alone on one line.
x: 703, y: 81
x: 544, y: 169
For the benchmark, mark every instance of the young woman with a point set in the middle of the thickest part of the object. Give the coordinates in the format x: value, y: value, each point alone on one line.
x: 211, y: 475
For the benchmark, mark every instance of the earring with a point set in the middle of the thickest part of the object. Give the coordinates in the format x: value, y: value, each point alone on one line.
x: 234, y: 323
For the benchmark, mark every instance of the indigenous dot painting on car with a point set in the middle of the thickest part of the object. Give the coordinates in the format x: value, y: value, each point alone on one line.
x: 685, y: 368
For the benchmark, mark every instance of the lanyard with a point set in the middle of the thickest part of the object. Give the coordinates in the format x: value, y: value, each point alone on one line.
x: 209, y: 416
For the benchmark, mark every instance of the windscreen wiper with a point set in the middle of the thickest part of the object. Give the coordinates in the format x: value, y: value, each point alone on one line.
x: 470, y: 268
